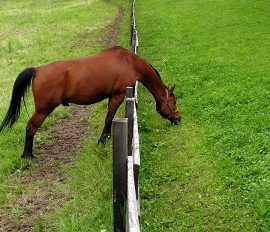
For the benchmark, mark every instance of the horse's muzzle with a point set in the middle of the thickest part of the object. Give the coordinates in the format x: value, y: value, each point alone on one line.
x: 175, y: 121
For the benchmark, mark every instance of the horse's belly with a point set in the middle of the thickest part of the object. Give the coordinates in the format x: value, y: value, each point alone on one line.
x: 81, y: 98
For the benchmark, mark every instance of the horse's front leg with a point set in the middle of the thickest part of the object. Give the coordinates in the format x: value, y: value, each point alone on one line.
x: 114, y: 103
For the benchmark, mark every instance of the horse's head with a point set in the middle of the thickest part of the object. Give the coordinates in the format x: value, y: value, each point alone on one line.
x: 167, y: 108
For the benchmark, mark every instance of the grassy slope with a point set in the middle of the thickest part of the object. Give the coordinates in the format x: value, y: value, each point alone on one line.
x: 212, y: 172
x: 37, y: 33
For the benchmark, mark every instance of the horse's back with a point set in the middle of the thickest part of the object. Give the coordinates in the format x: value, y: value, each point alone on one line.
x: 88, y: 79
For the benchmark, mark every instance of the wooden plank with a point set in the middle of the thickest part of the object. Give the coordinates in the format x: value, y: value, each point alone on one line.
x: 136, y: 153
x: 133, y: 224
x: 120, y: 152
x: 134, y: 34
x: 129, y: 113
x: 129, y: 92
x: 133, y: 205
x: 136, y: 142
x: 137, y: 43
x: 136, y: 94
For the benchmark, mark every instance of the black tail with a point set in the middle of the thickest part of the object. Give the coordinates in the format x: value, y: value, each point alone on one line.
x: 20, y: 87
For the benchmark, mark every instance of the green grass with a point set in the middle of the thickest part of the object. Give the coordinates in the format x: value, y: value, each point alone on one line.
x: 90, y: 181
x: 211, y: 173
x: 34, y: 33
x: 90, y: 208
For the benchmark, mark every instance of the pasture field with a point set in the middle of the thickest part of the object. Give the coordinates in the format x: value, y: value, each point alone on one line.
x: 211, y: 173
x: 34, y: 33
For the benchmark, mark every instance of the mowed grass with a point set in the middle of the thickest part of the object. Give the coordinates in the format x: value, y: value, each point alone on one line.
x: 34, y: 33
x: 211, y: 173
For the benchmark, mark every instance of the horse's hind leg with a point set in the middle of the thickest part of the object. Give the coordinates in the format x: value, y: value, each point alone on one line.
x: 31, y: 129
x: 113, y: 105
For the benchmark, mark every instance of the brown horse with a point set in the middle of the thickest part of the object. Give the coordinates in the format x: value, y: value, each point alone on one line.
x: 86, y: 81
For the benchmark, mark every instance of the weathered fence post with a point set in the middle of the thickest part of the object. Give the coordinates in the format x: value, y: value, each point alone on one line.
x: 133, y: 163
x: 129, y: 113
x: 120, y: 153
x: 134, y: 37
x: 136, y: 153
x: 126, y: 156
x: 133, y: 224
x: 129, y: 92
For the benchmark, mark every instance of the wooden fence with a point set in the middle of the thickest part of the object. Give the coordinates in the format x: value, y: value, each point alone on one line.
x: 126, y: 157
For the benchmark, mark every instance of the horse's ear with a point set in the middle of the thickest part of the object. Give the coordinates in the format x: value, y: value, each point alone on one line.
x: 172, y: 89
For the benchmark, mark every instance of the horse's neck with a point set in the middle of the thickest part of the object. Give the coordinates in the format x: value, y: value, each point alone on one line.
x: 149, y: 78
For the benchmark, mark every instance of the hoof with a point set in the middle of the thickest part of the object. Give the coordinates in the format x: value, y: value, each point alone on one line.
x: 27, y: 156
x: 103, y: 139
x: 101, y: 142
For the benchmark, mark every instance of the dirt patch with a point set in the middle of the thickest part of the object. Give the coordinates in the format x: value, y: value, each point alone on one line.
x: 38, y: 194
x: 110, y: 34
x: 37, y: 186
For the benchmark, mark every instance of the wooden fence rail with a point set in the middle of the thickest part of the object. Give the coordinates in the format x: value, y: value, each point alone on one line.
x: 133, y: 34
x: 126, y: 164
x: 126, y: 157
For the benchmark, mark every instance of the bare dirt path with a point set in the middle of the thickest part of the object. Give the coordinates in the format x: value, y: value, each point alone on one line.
x: 31, y: 204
